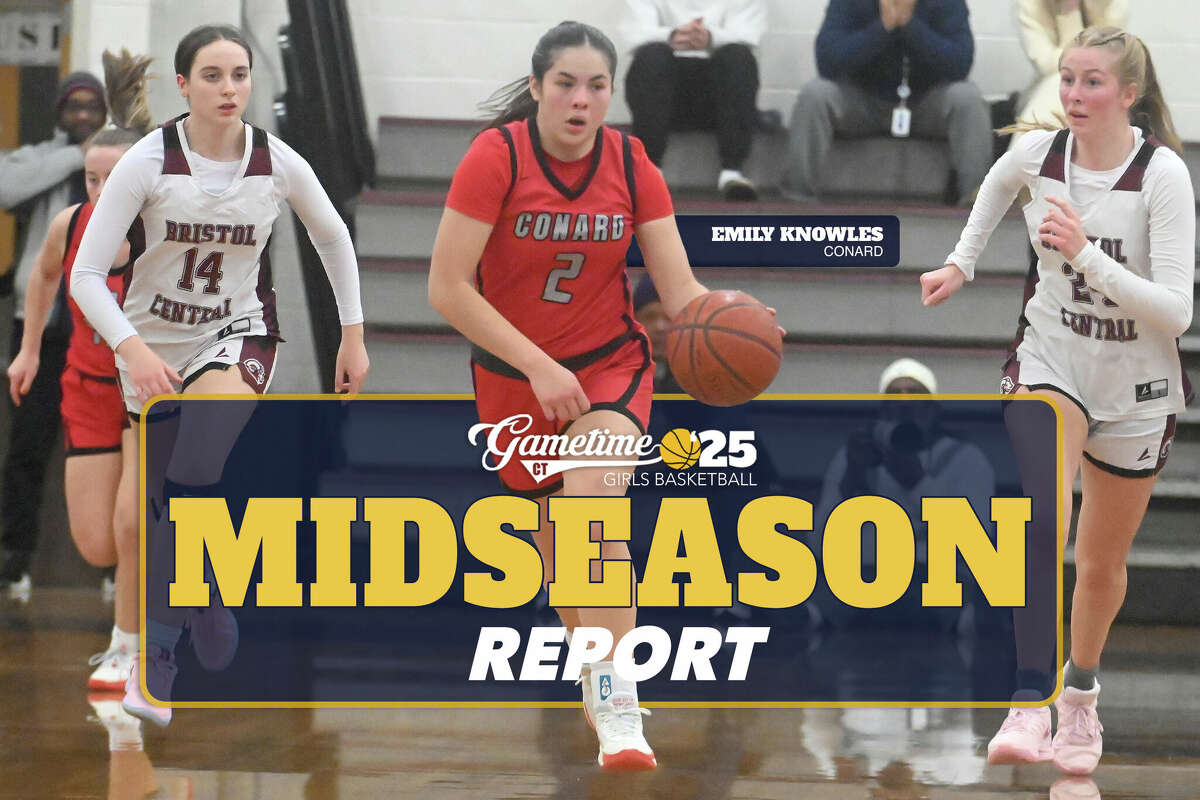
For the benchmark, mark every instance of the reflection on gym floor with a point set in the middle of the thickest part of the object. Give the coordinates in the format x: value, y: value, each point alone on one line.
x: 60, y: 742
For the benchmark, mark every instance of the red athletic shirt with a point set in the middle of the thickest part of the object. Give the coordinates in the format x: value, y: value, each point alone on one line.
x: 554, y: 265
x: 87, y: 352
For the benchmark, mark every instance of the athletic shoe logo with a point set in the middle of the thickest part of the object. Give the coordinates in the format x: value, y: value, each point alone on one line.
x: 1145, y: 454
x: 605, y: 687
x: 223, y: 354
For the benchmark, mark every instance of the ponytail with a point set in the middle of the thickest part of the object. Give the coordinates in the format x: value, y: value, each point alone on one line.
x: 1027, y: 125
x: 125, y: 90
x: 511, y: 102
x: 1150, y: 112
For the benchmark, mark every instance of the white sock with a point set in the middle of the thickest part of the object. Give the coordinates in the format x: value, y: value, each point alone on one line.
x: 127, y: 641
x: 607, y: 685
x: 125, y: 734
x: 728, y: 175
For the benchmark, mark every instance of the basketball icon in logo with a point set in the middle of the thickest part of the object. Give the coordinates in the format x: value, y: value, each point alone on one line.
x: 680, y: 449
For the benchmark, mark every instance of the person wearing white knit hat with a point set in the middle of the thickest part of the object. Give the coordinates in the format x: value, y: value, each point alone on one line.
x: 905, y: 455
x: 907, y: 376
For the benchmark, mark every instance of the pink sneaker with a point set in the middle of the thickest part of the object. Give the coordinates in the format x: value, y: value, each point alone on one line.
x: 160, y: 675
x: 1024, y: 738
x: 1074, y: 788
x: 1078, y: 743
x: 214, y: 634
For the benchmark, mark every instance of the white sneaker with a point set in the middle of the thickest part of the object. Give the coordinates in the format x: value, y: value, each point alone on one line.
x: 585, y: 683
x: 618, y: 721
x: 21, y: 590
x: 733, y: 185
x: 112, y: 668
x: 124, y: 729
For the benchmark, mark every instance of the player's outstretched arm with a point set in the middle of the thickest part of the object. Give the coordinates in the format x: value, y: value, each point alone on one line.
x: 937, y: 285
x: 667, y: 263
x: 331, y: 239
x: 351, y: 365
x: 39, y: 298
x: 452, y: 293
x: 148, y: 373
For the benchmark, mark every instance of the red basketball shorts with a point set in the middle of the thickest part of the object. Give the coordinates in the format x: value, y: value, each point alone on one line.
x: 93, y: 413
x: 622, y: 381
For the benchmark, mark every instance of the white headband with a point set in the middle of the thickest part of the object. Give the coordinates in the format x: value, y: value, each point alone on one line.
x: 908, y: 368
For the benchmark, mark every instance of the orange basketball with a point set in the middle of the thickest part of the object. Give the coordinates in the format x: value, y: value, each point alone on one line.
x: 724, y: 348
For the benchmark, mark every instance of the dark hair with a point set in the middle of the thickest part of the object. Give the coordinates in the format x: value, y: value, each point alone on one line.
x: 189, y: 45
x: 514, y: 101
x: 125, y: 86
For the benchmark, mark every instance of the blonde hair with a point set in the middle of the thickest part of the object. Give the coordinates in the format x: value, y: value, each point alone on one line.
x: 1133, y: 65
x: 125, y: 89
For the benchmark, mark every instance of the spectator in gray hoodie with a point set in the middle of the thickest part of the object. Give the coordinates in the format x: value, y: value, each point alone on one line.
x: 36, y: 182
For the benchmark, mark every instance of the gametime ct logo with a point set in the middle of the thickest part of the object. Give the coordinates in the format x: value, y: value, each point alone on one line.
x: 547, y: 455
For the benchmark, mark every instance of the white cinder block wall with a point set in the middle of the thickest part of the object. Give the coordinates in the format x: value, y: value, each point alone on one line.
x: 439, y: 58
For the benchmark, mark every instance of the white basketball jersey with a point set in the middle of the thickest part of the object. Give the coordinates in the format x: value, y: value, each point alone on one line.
x: 1122, y: 367
x: 201, y: 270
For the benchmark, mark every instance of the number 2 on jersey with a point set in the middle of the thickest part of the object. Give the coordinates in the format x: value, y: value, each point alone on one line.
x: 574, y: 262
x: 209, y: 269
x: 1080, y: 291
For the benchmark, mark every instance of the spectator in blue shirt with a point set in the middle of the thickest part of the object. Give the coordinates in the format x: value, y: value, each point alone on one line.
x: 891, y: 65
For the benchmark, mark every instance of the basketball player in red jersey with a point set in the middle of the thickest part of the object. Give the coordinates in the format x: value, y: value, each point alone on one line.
x: 101, y: 456
x: 529, y: 265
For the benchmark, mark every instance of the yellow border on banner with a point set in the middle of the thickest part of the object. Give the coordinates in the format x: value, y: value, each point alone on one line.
x: 458, y: 704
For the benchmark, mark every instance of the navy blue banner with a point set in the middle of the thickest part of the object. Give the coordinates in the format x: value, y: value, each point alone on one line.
x: 366, y: 554
x: 751, y: 240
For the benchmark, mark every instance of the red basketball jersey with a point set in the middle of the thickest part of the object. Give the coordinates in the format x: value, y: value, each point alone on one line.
x: 555, y: 263
x: 87, y: 352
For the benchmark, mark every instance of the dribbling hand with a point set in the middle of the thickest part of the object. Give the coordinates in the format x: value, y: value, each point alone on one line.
x: 782, y: 330
x: 559, y: 393
x: 937, y: 285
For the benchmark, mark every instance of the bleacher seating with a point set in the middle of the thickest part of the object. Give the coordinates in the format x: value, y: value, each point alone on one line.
x: 844, y: 325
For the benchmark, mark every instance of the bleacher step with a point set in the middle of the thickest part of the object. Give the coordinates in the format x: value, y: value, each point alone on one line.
x: 1161, y: 582
x: 878, y: 166
x: 402, y: 223
x: 825, y: 304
